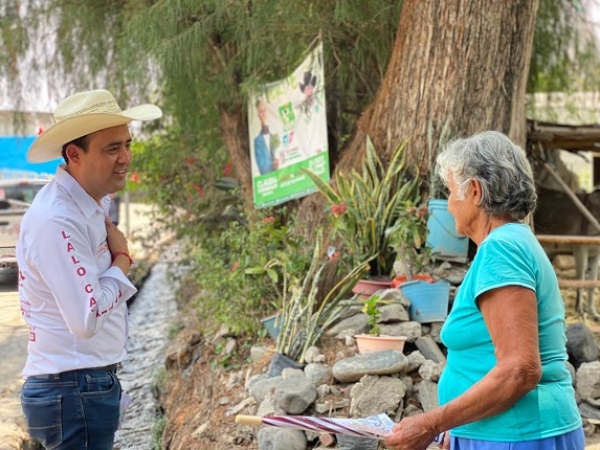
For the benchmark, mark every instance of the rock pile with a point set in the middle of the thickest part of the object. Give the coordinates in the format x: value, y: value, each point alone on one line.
x: 396, y: 383
x: 392, y: 382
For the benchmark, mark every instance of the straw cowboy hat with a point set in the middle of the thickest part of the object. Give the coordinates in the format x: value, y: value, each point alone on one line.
x: 82, y: 114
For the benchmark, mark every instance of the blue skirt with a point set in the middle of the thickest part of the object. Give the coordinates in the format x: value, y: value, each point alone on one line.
x: 573, y: 440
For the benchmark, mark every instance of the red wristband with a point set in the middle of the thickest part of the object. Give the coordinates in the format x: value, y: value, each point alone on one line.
x: 115, y: 254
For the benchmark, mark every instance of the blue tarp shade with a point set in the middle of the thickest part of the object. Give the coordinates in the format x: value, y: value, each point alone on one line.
x: 13, y: 156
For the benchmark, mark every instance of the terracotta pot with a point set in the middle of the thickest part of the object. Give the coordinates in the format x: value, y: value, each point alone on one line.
x: 400, y: 279
x: 367, y: 287
x: 368, y: 343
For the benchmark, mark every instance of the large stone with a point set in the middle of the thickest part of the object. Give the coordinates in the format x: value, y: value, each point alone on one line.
x: 274, y: 438
x: 356, y: 324
x: 430, y: 371
x: 261, y: 388
x: 428, y: 395
x: 412, y: 330
x: 581, y: 343
x: 393, y: 313
x: 431, y: 350
x: 394, y: 296
x: 588, y: 380
x: 589, y: 412
x: 295, y: 394
x: 374, y: 395
x: 387, y: 362
x: 318, y: 373
x: 345, y: 442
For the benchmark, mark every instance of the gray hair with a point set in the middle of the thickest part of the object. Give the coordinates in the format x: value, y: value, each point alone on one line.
x: 499, y: 165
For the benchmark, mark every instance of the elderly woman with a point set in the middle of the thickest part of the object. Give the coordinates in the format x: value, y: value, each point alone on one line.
x: 506, y: 385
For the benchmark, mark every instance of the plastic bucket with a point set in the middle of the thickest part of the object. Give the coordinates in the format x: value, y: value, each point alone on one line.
x: 441, y: 231
x: 428, y: 301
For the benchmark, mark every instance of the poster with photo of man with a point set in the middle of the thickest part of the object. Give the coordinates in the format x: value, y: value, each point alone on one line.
x: 288, y: 132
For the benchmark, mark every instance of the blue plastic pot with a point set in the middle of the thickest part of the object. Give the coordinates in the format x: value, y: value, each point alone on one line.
x: 428, y: 301
x: 272, y: 324
x: 441, y: 231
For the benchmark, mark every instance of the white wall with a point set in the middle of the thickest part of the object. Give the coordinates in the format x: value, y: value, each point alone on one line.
x: 26, y: 124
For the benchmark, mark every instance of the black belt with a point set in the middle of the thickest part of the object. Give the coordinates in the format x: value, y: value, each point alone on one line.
x: 57, y: 376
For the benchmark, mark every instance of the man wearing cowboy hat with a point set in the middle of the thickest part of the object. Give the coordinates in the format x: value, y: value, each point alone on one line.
x: 73, y: 266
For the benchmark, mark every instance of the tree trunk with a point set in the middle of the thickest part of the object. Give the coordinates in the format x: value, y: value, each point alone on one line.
x: 462, y: 64
x: 458, y: 65
x: 234, y: 129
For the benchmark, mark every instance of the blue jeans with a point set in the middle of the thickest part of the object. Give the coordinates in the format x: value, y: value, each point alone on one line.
x: 76, y: 410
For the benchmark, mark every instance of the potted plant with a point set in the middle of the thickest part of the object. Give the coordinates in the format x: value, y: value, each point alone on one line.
x: 365, y: 206
x: 374, y: 341
x: 407, y: 238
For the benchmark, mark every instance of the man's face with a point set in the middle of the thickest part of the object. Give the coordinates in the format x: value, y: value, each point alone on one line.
x: 103, y: 169
x: 262, y: 112
x: 309, y: 90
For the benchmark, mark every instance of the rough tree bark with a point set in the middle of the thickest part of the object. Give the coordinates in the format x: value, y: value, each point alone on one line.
x: 234, y: 129
x: 459, y: 64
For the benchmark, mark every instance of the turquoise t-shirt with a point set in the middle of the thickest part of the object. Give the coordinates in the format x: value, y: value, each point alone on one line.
x: 510, y: 255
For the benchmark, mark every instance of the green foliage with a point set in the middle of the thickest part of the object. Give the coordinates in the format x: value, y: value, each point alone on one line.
x: 202, y: 55
x: 180, y: 173
x: 158, y: 427
x: 226, y: 265
x: 159, y: 381
x: 407, y: 238
x: 368, y: 208
x: 228, y: 361
x: 371, y: 308
x: 565, y: 54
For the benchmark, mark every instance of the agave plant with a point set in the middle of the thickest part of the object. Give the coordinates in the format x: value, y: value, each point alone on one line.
x: 304, y: 318
x: 366, y: 207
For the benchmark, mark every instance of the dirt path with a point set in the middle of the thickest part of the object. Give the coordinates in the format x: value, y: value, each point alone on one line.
x: 13, y: 348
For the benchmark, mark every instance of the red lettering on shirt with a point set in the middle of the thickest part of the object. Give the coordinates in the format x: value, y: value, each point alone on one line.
x: 74, y: 259
x: 32, y: 336
x: 70, y: 247
x: 92, y: 301
x: 88, y: 288
x: 65, y: 235
x: 81, y: 271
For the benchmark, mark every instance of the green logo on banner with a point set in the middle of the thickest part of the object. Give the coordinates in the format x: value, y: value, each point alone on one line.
x: 286, y: 112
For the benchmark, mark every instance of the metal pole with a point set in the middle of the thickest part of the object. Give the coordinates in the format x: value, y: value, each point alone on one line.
x: 127, y: 216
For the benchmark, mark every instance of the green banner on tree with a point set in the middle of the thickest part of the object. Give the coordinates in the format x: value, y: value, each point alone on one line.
x: 288, y: 132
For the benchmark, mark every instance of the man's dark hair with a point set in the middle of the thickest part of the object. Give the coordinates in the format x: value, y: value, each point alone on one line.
x: 81, y: 142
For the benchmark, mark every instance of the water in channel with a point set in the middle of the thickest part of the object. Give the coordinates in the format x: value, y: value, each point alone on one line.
x: 151, y: 316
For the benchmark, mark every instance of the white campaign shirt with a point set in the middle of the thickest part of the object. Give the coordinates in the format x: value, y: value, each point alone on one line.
x: 71, y: 297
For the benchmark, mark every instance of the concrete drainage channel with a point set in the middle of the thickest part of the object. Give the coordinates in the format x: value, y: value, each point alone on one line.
x: 151, y: 317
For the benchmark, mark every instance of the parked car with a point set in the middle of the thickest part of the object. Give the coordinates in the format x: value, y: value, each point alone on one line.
x: 15, y: 196
x: 21, y: 189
